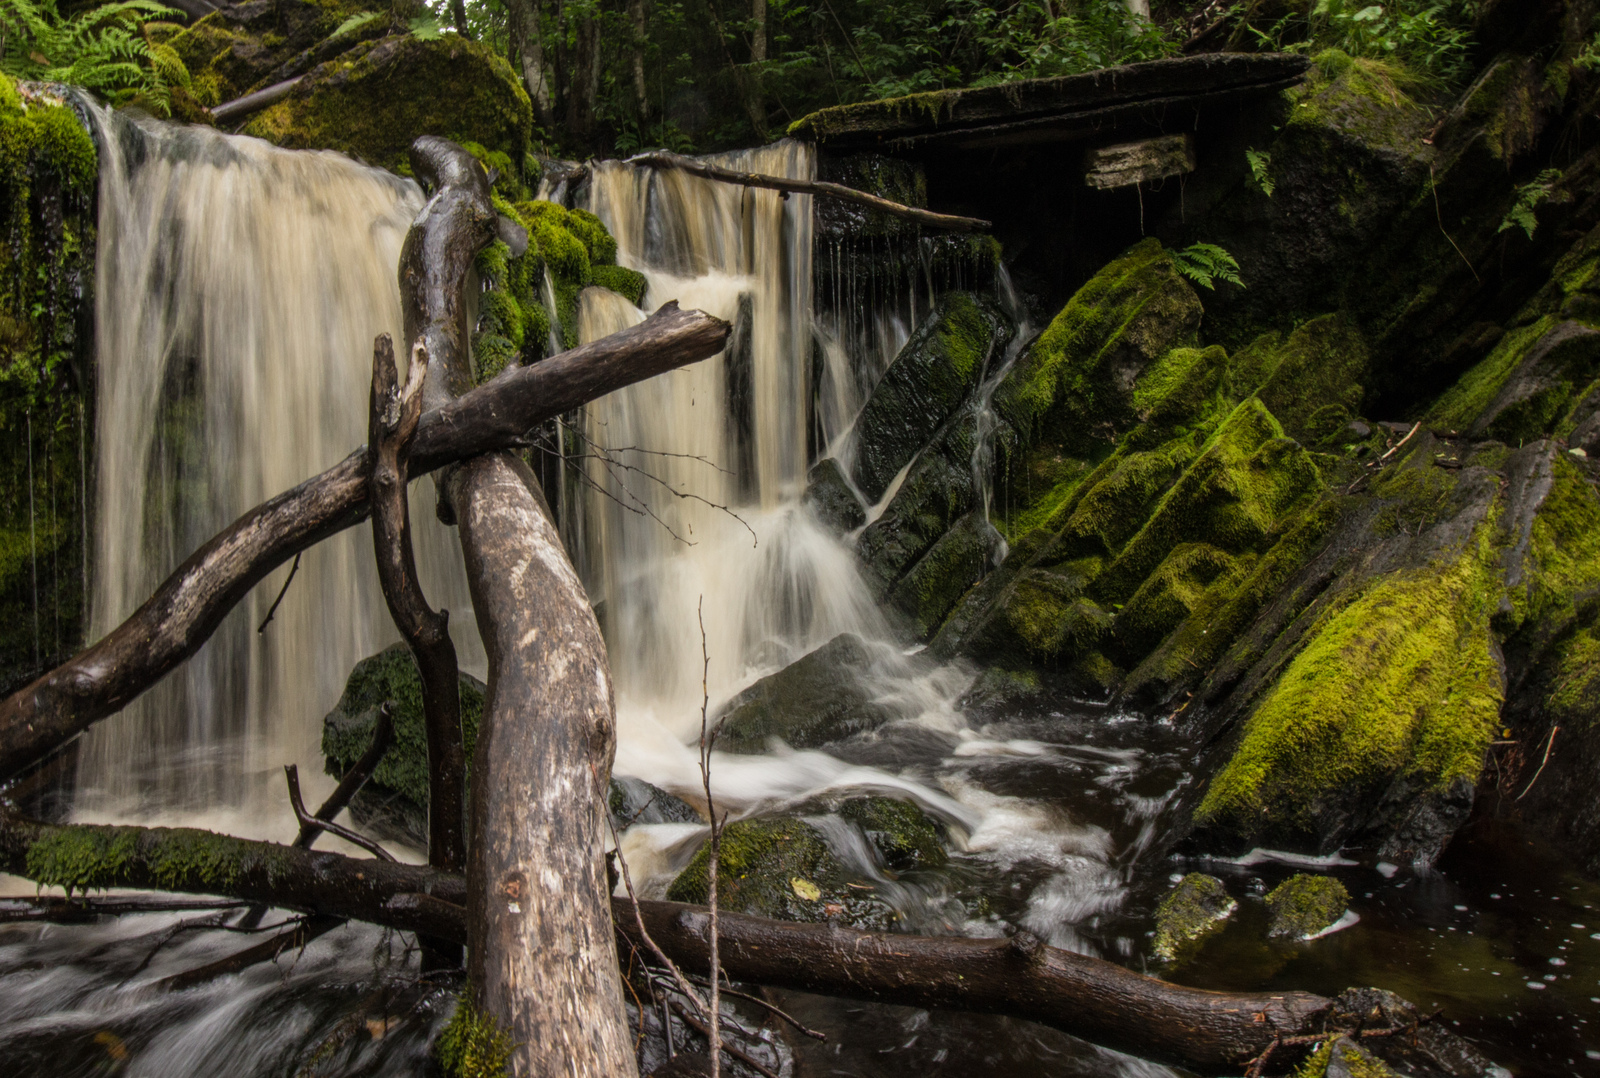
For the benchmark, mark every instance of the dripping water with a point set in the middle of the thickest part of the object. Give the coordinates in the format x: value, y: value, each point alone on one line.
x: 988, y: 423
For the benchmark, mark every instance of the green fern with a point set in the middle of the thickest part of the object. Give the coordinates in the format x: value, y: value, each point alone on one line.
x: 1205, y: 264
x: 1261, y: 170
x: 103, y: 49
x: 1529, y: 195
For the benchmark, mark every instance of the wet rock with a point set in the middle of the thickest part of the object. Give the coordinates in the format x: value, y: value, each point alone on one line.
x: 936, y: 492
x: 1426, y: 1048
x: 1304, y: 905
x: 1192, y: 910
x: 394, y: 802
x: 904, y: 836
x: 781, y: 867
x: 934, y: 585
x: 998, y: 691
x: 829, y: 498
x: 820, y: 698
x: 928, y: 381
x: 1343, y: 1058
x: 632, y: 801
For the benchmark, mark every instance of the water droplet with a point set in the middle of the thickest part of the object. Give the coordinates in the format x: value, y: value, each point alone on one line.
x: 1536, y: 986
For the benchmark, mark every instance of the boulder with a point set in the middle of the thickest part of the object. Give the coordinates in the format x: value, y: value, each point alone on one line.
x: 632, y: 801
x: 1304, y: 905
x: 829, y: 498
x: 820, y: 698
x: 903, y: 835
x: 394, y: 802
x: 1192, y: 910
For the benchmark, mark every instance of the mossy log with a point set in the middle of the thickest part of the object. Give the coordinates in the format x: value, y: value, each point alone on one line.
x: 189, y: 605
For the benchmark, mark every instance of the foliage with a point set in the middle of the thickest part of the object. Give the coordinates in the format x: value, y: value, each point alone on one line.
x: 1528, y: 196
x: 104, y: 49
x: 472, y: 1045
x: 1260, y: 162
x: 1429, y: 39
x: 1204, y: 263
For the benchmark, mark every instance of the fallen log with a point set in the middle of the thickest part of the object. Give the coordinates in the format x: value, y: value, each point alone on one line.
x: 542, y: 959
x: 255, y: 102
x: 189, y: 605
x: 822, y: 188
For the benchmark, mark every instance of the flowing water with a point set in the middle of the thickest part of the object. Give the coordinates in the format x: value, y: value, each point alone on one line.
x: 239, y: 290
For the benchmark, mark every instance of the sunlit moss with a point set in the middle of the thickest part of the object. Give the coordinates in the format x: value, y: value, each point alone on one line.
x: 472, y: 1045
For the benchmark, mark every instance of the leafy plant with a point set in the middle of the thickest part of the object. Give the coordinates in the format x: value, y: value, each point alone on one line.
x: 354, y: 22
x: 1528, y: 197
x: 427, y: 27
x: 1429, y: 38
x: 1261, y: 170
x: 1205, y: 264
x: 104, y: 49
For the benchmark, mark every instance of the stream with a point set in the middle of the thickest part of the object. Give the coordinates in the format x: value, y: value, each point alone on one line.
x: 239, y: 289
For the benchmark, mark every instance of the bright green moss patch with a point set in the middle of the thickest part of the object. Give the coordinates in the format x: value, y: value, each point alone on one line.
x: 900, y: 831
x: 1564, y: 551
x: 1400, y: 678
x: 1192, y: 910
x: 621, y: 280
x: 1472, y: 394
x: 1304, y: 905
x: 81, y: 858
x: 472, y: 1045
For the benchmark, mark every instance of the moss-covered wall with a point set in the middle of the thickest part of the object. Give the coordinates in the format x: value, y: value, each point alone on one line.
x: 47, y: 183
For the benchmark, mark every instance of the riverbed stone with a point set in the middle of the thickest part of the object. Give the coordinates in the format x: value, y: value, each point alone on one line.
x: 780, y: 867
x: 1192, y: 910
x: 904, y: 836
x: 829, y: 498
x: 633, y: 800
x: 817, y: 699
x: 1304, y: 905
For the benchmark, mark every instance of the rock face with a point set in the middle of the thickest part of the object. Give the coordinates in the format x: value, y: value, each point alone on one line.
x: 1192, y: 910
x: 1304, y: 905
x: 818, y: 699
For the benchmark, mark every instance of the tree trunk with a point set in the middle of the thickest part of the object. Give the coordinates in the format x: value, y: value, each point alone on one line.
x: 458, y: 15
x: 758, y: 31
x: 527, y: 48
x: 641, y: 92
x: 189, y: 605
x: 542, y: 954
x: 584, y: 81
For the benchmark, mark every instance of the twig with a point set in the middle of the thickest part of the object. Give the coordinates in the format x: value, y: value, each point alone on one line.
x: 1433, y: 185
x: 718, y: 1046
x: 715, y: 850
x: 356, y: 777
x: 293, y: 569
x: 779, y: 1012
x: 1395, y: 448
x: 80, y: 909
x: 303, y: 932
x: 292, y: 773
x: 638, y: 919
x: 1548, y: 745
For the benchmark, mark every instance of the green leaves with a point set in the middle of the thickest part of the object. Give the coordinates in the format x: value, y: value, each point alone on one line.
x: 1528, y: 196
x: 103, y: 49
x: 1205, y: 264
x: 1261, y: 171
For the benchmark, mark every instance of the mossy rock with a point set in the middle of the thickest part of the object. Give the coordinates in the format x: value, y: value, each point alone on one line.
x: 902, y: 834
x: 1341, y: 1057
x: 999, y: 691
x: 1075, y: 387
x: 816, y: 700
x: 1316, y: 384
x: 376, y: 99
x: 1535, y: 389
x: 780, y: 867
x: 394, y: 802
x: 1192, y: 910
x: 829, y: 498
x: 937, y: 581
x: 1304, y: 905
x: 933, y: 375
x: 936, y: 492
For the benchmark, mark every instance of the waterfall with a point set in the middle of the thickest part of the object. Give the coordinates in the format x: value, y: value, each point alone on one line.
x: 238, y: 291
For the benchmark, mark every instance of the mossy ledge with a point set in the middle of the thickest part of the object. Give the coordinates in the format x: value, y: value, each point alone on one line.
x: 94, y: 857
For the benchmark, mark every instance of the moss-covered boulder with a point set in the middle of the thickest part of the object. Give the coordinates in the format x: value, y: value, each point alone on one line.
x: 1341, y: 1057
x: 1531, y: 381
x: 376, y: 99
x: 782, y: 868
x: 903, y: 835
x: 935, y: 493
x: 819, y: 698
x: 1075, y: 387
x: 999, y: 691
x: 1192, y: 910
x: 933, y: 375
x: 394, y: 802
x: 936, y: 581
x: 48, y: 168
x: 1304, y: 905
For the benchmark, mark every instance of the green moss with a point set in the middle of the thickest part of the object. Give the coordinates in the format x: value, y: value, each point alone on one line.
x: 1173, y: 592
x: 1114, y: 507
x: 1193, y: 909
x: 900, y: 831
x: 1316, y: 1064
x: 391, y: 675
x: 1315, y: 388
x: 375, y: 99
x: 1399, y: 678
x: 1472, y: 394
x: 1304, y: 905
x: 1048, y: 613
x: 85, y: 857
x: 1180, y: 390
x: 1564, y: 548
x: 472, y: 1045
x: 81, y: 858
x: 1074, y: 385
x: 621, y: 280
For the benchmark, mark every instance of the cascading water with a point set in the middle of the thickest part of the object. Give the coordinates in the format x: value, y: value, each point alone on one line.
x: 239, y: 288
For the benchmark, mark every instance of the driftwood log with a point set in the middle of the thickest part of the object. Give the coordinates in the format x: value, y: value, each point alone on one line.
x: 839, y: 191
x: 189, y: 605
x: 542, y: 956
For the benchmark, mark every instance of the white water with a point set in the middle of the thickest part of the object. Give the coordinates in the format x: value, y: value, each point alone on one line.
x: 239, y: 288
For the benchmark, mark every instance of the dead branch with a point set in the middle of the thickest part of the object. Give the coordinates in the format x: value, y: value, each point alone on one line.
x: 291, y: 772
x: 356, y: 777
x: 809, y: 187
x: 187, y: 608
x: 296, y: 937
x: 391, y: 428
